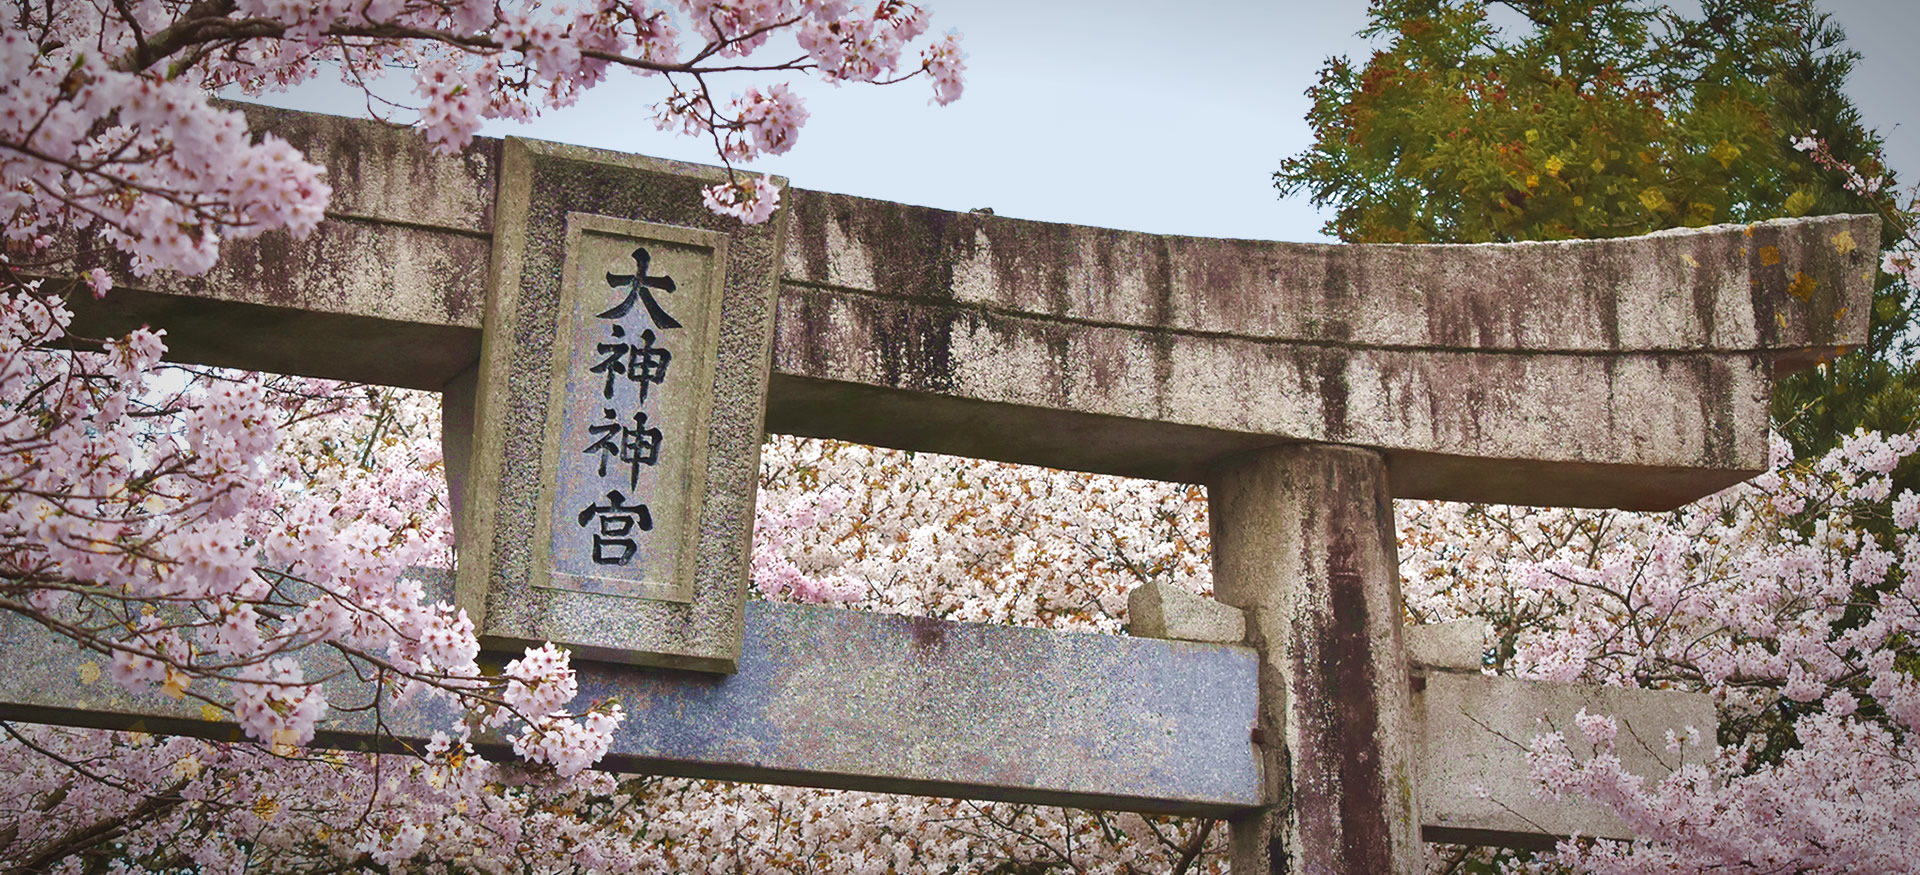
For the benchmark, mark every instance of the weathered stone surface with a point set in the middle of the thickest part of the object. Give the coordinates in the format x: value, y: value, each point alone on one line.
x: 832, y: 698
x: 377, y: 303
x: 389, y: 289
x: 1474, y: 731
x: 1713, y: 289
x: 1471, y: 368
x: 1568, y: 432
x: 1630, y: 373
x: 1457, y: 646
x: 1303, y: 542
x: 835, y: 698
x: 510, y: 493
x: 1161, y: 610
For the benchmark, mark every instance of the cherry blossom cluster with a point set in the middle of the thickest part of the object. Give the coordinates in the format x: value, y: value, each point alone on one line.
x: 238, y: 807
x: 714, y: 826
x: 155, y: 523
x: 138, y: 803
x: 1794, y: 600
x: 144, y: 160
x: 540, y: 685
x: 105, y: 122
x: 960, y: 539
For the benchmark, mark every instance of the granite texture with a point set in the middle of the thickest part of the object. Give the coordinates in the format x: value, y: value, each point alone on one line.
x: 828, y: 698
x: 507, y: 498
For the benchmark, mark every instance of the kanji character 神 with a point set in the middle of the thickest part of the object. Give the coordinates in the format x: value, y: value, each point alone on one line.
x: 635, y: 446
x: 643, y: 363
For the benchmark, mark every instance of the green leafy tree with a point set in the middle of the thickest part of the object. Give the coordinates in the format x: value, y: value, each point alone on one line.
x: 1554, y: 119
x: 1878, y: 390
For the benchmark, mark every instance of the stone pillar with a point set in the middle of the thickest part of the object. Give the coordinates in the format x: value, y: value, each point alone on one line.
x: 1303, y: 542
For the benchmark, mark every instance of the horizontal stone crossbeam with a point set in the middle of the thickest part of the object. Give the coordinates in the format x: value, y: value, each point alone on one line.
x: 1472, y: 369
x: 828, y: 698
x: 1474, y: 729
x: 833, y: 698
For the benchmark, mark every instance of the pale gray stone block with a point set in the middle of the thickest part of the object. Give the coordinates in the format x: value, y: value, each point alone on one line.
x: 1162, y: 610
x: 1474, y: 785
x: 568, y: 220
x: 1459, y: 645
x: 823, y: 697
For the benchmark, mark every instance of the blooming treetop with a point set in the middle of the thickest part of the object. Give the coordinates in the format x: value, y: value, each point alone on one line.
x: 105, y: 121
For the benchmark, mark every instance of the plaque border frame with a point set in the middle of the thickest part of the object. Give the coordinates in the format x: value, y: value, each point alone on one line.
x: 539, y: 185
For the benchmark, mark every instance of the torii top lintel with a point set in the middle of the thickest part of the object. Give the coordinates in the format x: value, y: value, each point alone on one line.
x: 1630, y: 373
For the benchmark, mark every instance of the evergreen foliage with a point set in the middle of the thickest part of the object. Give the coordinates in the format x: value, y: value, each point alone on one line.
x: 1555, y: 119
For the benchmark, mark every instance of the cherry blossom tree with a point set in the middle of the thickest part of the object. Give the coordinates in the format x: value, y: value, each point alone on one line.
x: 1792, y: 599
x: 158, y: 528
x: 156, y: 524
x: 881, y: 529
x: 85, y: 800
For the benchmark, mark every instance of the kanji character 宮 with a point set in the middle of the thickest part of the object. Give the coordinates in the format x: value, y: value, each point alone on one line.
x: 618, y: 521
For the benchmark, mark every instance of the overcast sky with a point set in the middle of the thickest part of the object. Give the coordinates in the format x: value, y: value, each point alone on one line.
x: 1147, y: 116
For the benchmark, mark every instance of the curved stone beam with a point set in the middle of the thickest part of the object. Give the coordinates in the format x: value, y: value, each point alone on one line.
x: 1631, y: 373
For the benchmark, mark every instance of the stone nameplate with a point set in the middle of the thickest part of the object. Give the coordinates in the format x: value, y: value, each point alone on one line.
x: 619, y: 405
x: 625, y: 462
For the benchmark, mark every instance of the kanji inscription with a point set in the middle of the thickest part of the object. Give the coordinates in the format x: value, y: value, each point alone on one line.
x: 630, y: 406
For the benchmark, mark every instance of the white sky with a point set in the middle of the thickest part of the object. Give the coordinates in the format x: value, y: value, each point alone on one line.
x: 1125, y: 114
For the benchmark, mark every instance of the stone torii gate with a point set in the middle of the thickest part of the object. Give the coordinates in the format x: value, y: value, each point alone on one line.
x: 1305, y: 384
